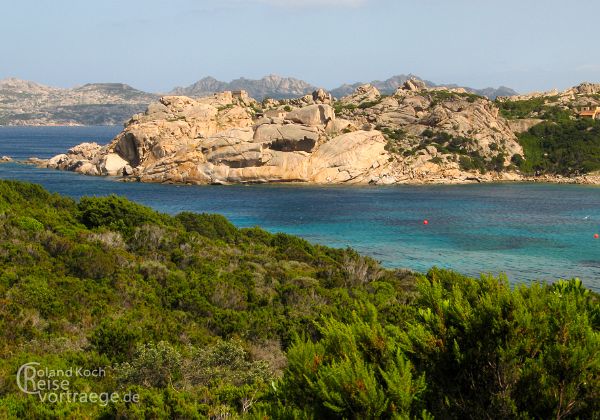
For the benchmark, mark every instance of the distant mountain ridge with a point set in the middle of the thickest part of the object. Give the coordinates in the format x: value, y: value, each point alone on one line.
x: 277, y: 87
x: 271, y: 86
x: 389, y: 86
x: 28, y: 103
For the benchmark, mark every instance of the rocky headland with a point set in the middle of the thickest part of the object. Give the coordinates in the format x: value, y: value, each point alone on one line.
x: 417, y: 135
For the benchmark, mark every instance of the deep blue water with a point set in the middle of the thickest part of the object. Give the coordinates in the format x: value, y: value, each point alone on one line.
x: 528, y: 231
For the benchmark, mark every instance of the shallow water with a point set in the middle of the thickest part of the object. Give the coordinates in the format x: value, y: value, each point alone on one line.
x: 528, y: 231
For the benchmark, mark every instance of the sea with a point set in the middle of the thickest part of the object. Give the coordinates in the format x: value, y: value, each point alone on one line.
x: 526, y: 231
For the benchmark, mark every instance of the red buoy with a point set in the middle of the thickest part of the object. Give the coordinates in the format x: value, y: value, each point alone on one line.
x: 596, y: 236
x: 425, y: 222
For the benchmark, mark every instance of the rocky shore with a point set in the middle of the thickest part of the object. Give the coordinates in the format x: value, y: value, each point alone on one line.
x: 418, y: 135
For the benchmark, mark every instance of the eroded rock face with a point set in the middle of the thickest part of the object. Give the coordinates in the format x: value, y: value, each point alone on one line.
x: 288, y: 137
x: 350, y: 157
x: 523, y: 125
x: 216, y: 140
x: 362, y: 94
x: 312, y: 115
x: 471, y: 123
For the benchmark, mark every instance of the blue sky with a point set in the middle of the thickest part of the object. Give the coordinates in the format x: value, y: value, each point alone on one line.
x: 158, y: 44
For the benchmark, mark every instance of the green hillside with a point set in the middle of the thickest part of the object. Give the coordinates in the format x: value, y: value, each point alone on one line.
x: 563, y: 143
x: 201, y: 319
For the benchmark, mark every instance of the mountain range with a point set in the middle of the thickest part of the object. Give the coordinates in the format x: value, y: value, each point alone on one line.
x: 29, y: 103
x: 277, y: 87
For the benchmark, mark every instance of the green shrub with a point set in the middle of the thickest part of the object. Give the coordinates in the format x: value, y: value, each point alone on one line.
x: 354, y: 370
x: 517, y: 159
x: 116, y: 213
x: 486, y: 348
x: 226, y: 306
x: 153, y: 365
x: 115, y: 338
x: 565, y: 147
x: 91, y: 262
x: 213, y: 226
x: 29, y: 224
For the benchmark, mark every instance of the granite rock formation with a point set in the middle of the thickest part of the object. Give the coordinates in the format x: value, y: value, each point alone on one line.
x: 418, y: 134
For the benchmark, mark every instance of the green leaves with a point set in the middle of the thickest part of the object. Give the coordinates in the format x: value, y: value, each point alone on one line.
x: 116, y: 213
x: 213, y: 226
x: 565, y: 147
x: 355, y: 370
x: 29, y: 224
x: 185, y: 306
x: 486, y: 347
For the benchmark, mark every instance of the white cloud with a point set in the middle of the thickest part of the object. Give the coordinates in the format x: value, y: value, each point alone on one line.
x: 313, y: 3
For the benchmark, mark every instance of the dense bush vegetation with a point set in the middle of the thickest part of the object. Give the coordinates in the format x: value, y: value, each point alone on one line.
x: 205, y: 320
x: 562, y: 144
x: 439, y: 96
x: 566, y: 147
x: 469, y: 158
x: 529, y: 108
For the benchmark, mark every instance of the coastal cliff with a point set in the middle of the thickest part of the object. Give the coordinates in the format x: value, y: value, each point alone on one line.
x: 417, y: 135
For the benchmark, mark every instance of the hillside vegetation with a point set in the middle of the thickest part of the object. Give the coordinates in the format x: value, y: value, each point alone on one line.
x: 562, y: 143
x: 205, y: 320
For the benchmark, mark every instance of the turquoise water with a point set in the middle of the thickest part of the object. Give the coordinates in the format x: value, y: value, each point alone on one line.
x: 528, y: 231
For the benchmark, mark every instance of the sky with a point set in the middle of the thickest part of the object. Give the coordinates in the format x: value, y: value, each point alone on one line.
x: 155, y: 45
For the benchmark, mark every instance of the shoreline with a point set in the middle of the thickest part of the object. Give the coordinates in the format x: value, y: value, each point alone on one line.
x: 591, y: 180
x: 57, y: 125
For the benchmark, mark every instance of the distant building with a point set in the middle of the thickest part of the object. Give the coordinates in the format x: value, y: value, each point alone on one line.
x: 590, y: 112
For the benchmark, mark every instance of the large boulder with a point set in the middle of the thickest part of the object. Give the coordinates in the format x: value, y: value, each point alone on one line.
x: 523, y: 125
x: 414, y: 85
x: 348, y: 156
x: 112, y: 164
x: 362, y: 94
x: 287, y: 137
x: 314, y: 115
x: 320, y: 96
x: 84, y: 151
x: 232, y: 148
x: 238, y: 155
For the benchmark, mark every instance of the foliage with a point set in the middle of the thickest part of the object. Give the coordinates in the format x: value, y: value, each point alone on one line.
x: 485, y: 348
x: 562, y: 144
x: 340, y: 107
x: 469, y: 158
x: 115, y: 213
x: 213, y: 226
x: 566, y: 147
x: 155, y: 366
x: 354, y: 370
x: 203, y: 319
x: 393, y: 137
x: 437, y: 96
x: 528, y: 108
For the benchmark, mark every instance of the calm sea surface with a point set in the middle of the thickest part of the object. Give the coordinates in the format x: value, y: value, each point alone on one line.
x: 528, y: 231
